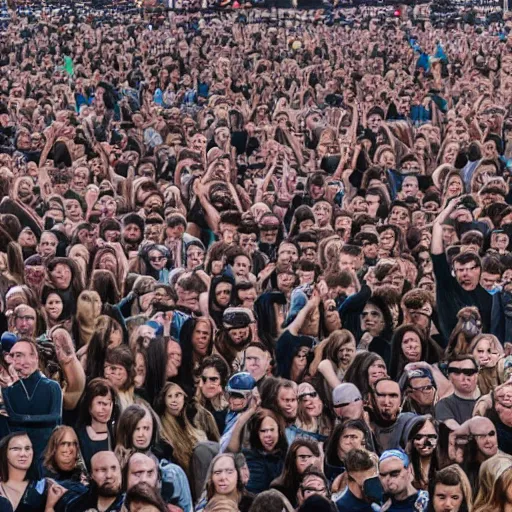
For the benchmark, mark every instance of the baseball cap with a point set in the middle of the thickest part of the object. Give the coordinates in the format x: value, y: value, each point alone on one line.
x: 344, y: 394
x: 7, y: 341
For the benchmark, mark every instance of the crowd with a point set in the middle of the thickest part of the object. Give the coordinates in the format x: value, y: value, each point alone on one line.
x: 255, y: 264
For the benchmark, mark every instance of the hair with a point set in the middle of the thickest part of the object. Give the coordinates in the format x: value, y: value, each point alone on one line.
x: 467, y: 257
x: 312, y: 470
x: 97, y: 387
x: 452, y: 476
x: 97, y: 348
x: 359, y: 460
x: 143, y: 492
x: 4, y: 448
x: 76, y: 284
x: 57, y: 436
x: 104, y: 282
x: 219, y: 363
x: 289, y: 479
x: 124, y: 357
x: 254, y: 430
x: 269, y: 391
x: 271, y: 501
x: 357, y: 372
x: 156, y: 371
x: 329, y: 348
x: 462, y: 357
x: 490, y: 470
x: 331, y: 449
x: 210, y: 487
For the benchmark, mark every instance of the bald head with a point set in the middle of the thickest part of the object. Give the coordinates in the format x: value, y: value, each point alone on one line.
x: 141, y: 469
x: 106, y: 473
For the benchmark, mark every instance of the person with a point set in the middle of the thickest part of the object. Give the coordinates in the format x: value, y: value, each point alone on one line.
x: 360, y: 467
x: 144, y: 497
x: 396, y: 481
x: 347, y: 402
x: 313, y: 482
x: 224, y: 479
x: 450, y: 491
x: 34, y: 402
x: 104, y: 491
x: 463, y: 374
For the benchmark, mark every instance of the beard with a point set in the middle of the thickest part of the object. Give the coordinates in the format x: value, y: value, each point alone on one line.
x: 108, y: 491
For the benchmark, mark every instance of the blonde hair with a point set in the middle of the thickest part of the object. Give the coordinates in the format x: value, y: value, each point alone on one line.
x: 490, y: 471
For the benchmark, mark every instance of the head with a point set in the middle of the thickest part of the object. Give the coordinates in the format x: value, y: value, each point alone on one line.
x: 106, y: 474
x: 463, y: 374
x: 395, y: 474
x: 267, y: 432
x: 386, y: 399
x: 62, y: 450
x: 449, y: 490
x: 99, y: 403
x: 467, y: 268
x: 347, y: 402
x: 359, y: 466
x: 257, y: 360
x: 16, y: 453
x: 313, y: 483
x: 25, y: 357
x: 141, y: 468
x: 137, y: 428
x: 223, y: 478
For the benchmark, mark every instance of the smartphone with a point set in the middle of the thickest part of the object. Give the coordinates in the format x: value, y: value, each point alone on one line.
x: 373, y: 490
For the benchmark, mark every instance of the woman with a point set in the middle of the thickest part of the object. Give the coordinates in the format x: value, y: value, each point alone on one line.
x: 488, y: 352
x: 332, y: 358
x: 177, y: 430
x: 234, y: 336
x: 53, y: 305
x: 108, y: 258
x: 313, y: 419
x: 391, y: 242
x: 62, y: 460
x: 104, y: 282
x: 301, y: 359
x: 449, y: 490
x: 409, y: 345
x: 141, y: 362
x: 196, y: 340
x: 220, y: 297
x: 302, y: 453
x: 18, y: 492
x: 98, y: 413
x: 345, y: 437
x: 365, y: 370
x: 107, y: 334
x: 154, y: 260
x: 119, y: 370
x: 213, y: 377
x: 500, y: 497
x: 421, y: 442
x: 377, y: 326
x: 88, y: 308
x: 224, y: 479
x: 265, y: 458
x: 490, y: 470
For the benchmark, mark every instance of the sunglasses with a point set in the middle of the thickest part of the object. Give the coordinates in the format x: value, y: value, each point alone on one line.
x: 312, y: 394
x: 430, y: 437
x: 156, y: 259
x: 237, y: 396
x: 210, y: 379
x: 423, y: 389
x: 468, y: 372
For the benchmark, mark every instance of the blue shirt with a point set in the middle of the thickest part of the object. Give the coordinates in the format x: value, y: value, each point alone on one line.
x: 348, y: 503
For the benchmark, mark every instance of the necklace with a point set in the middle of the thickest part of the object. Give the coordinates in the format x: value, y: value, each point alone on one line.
x: 29, y: 398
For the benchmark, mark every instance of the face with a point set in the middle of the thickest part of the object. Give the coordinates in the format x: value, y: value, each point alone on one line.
x: 467, y: 275
x: 387, y: 398
x: 285, y: 282
x: 425, y: 441
x: 61, y: 276
x: 489, y: 281
x: 25, y: 359
x: 106, y: 472
x: 310, y: 486
x: 242, y: 267
x: 20, y: 453
x: 101, y: 408
x: 257, y: 362
x: 53, y: 306
x: 376, y: 371
x: 195, y: 257
x: 422, y: 391
x: 25, y: 321
x: 223, y: 294
x: 310, y: 401
x: 67, y: 451
x: 116, y: 375
x: 248, y: 297
x: 210, y: 383
x: 454, y: 187
x: 484, y: 433
x: 304, y: 458
x: 373, y: 203
x: 201, y: 337
x: 132, y: 233
x: 142, y: 469
x: 399, y: 216
x: 140, y: 370
x: 393, y: 476
x: 346, y: 354
x: 224, y: 476
x: 268, y: 434
x: 27, y: 238
x: 447, y: 498
x: 47, y: 245
x: 387, y: 240
x: 157, y: 260
x: 463, y: 376
x: 350, y: 439
x: 239, y: 335
x: 411, y: 347
x: 287, y: 403
x: 372, y: 320
x: 143, y: 433
x: 174, y: 400
x: 485, y: 353
x: 173, y: 358
x: 410, y: 186
x: 287, y: 253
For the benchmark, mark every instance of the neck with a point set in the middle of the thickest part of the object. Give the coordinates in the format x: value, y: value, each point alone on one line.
x: 99, y: 428
x: 16, y: 476
x: 408, y: 491
x: 104, y: 503
x: 468, y: 396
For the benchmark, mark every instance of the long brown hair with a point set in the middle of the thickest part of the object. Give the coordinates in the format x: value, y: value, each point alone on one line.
x: 56, y: 438
x: 210, y: 487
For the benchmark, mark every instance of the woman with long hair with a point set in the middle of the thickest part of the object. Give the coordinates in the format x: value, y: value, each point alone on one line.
x: 88, y: 309
x: 265, y: 458
x: 365, y: 370
x: 224, y: 479
x: 177, y: 429
x: 421, y: 444
x: 104, y: 283
x: 449, y: 489
x: 313, y: 417
x: 302, y: 453
x: 119, y: 370
x: 490, y: 470
x: 64, y: 275
x: 500, y: 497
x: 488, y: 352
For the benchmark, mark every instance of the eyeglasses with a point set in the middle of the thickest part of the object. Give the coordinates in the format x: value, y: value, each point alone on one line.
x: 468, y: 372
x: 492, y: 433
x: 312, y: 394
x: 206, y: 379
x: 392, y: 474
x: 430, y: 437
x: 423, y: 389
x: 344, y: 404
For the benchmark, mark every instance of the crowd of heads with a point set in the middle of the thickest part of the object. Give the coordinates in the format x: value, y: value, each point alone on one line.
x: 255, y: 260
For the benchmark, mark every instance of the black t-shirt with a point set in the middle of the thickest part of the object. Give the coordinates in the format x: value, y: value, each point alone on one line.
x: 455, y: 407
x: 451, y: 298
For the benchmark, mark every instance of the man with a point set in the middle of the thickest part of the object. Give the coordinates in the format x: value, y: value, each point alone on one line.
x: 347, y: 402
x: 25, y: 321
x: 176, y: 240
x: 420, y: 391
x: 396, y: 478
x: 104, y: 492
x: 359, y: 467
x: 257, y: 361
x: 133, y: 232
x: 141, y: 469
x: 313, y: 482
x: 47, y: 247
x: 387, y: 423
x: 34, y: 402
x: 463, y: 374
x: 459, y: 286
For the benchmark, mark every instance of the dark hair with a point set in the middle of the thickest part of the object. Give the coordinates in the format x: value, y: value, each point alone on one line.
x: 104, y: 282
x: 467, y: 257
x: 218, y: 363
x: 254, y: 431
x: 156, y: 368
x: 462, y: 357
x: 357, y: 372
x: 143, y: 492
x: 4, y: 447
x: 123, y: 356
x: 449, y: 476
x: 97, y: 387
x: 269, y: 392
x: 314, y: 471
x: 128, y: 422
x: 331, y: 449
x: 358, y: 460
